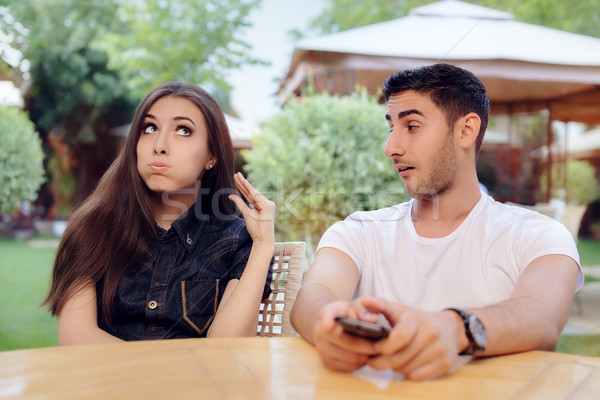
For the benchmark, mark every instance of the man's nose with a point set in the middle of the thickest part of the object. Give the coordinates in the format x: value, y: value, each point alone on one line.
x: 395, y: 146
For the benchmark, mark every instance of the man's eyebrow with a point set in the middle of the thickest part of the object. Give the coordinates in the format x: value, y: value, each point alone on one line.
x: 403, y: 114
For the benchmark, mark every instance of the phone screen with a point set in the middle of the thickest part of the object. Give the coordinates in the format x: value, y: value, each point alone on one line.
x: 363, y: 329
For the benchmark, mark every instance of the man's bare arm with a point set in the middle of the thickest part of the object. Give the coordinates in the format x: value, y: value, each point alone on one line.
x: 424, y: 345
x: 533, y: 318
x: 333, y: 276
x: 326, y: 293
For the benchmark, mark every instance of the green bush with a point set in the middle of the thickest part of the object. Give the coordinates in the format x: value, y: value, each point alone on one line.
x: 320, y: 159
x: 21, y: 159
x: 582, y: 186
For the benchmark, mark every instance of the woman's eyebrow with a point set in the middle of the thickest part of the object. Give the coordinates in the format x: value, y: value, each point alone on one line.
x: 150, y: 116
x: 184, y: 118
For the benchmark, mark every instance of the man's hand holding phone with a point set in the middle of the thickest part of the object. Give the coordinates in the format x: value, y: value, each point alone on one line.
x: 339, y: 350
x: 363, y: 329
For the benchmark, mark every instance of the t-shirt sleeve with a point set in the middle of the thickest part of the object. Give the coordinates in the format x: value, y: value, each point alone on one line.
x: 347, y: 236
x: 543, y: 237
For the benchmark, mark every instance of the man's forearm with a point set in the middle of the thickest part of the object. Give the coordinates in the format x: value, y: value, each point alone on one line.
x: 520, y: 324
x: 312, y: 297
x: 534, y: 317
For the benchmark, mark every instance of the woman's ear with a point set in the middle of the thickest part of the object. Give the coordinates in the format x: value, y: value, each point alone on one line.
x: 212, y: 161
x: 469, y: 129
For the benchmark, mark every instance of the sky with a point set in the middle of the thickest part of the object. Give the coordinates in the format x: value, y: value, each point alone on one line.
x: 254, y: 87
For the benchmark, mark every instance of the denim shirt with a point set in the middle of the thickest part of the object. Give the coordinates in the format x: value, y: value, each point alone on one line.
x: 177, y: 294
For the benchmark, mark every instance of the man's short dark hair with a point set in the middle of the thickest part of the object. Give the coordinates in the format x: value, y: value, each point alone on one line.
x: 455, y: 91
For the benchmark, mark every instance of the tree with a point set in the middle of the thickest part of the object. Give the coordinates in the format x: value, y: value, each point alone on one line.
x: 21, y: 167
x: 71, y: 94
x: 580, y: 16
x: 322, y: 158
x: 188, y: 40
x: 582, y: 186
x: 341, y: 15
x: 573, y: 16
x: 86, y: 64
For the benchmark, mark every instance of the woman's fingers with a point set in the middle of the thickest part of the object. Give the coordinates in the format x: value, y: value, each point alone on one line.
x: 252, y: 195
x: 260, y: 218
x: 245, y: 188
x: 240, y: 204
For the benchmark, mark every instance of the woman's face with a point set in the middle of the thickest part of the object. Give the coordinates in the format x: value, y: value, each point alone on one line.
x: 172, y: 151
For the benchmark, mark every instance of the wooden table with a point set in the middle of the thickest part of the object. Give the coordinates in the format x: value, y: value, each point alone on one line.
x: 273, y: 368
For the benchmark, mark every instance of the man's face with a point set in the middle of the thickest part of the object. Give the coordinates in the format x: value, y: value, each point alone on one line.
x: 421, y: 144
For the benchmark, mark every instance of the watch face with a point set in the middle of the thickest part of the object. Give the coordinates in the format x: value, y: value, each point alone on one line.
x: 478, y: 331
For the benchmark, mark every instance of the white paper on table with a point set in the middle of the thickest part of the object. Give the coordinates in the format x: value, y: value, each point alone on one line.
x: 379, y: 378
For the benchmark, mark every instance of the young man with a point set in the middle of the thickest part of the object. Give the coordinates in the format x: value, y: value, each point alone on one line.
x: 452, y: 271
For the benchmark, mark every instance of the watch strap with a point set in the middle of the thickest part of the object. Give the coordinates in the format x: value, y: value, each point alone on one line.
x: 473, y: 347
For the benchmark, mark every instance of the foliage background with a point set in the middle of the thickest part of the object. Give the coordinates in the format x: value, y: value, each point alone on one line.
x: 320, y: 159
x: 582, y: 186
x: 84, y: 65
x: 21, y: 159
x: 579, y: 16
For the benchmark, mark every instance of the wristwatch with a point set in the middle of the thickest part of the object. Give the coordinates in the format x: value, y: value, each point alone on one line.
x: 475, y: 331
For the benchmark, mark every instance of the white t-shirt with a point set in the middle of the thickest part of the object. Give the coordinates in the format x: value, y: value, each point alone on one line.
x: 476, y: 265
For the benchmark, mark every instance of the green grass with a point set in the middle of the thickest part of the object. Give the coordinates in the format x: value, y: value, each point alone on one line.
x: 588, y: 345
x: 589, y: 251
x: 24, y: 277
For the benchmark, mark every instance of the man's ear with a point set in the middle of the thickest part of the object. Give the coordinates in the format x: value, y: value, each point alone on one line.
x: 469, y: 129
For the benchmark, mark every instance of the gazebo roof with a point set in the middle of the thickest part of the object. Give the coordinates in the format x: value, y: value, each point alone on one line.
x: 524, y: 67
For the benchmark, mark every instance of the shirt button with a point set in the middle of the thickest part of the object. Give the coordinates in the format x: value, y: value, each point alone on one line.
x: 153, y: 327
x: 152, y: 304
x: 189, y: 241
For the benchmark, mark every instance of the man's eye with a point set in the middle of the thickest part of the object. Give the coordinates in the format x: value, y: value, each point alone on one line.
x: 150, y: 128
x: 183, y: 131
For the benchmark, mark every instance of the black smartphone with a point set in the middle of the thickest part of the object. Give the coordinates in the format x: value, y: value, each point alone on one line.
x: 363, y: 329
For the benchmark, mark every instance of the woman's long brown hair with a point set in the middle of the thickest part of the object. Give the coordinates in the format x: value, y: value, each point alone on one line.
x: 114, y: 230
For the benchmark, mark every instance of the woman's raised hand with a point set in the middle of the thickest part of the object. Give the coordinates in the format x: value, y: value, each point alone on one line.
x: 260, y: 219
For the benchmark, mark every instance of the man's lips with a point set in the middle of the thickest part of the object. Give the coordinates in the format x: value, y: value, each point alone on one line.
x: 403, y: 169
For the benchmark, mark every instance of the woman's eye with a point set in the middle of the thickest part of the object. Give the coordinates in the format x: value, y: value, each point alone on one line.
x: 150, y: 128
x: 183, y: 131
x: 412, y: 127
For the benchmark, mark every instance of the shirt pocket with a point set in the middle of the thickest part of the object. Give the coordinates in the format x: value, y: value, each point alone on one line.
x: 199, y: 302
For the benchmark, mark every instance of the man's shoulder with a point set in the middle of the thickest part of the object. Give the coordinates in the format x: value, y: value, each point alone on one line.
x: 521, y: 220
x: 518, y: 212
x: 393, y: 213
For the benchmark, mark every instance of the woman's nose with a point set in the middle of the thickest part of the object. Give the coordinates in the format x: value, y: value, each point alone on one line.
x: 160, y: 144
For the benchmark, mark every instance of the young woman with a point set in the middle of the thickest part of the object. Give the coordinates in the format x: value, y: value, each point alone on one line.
x: 157, y: 250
